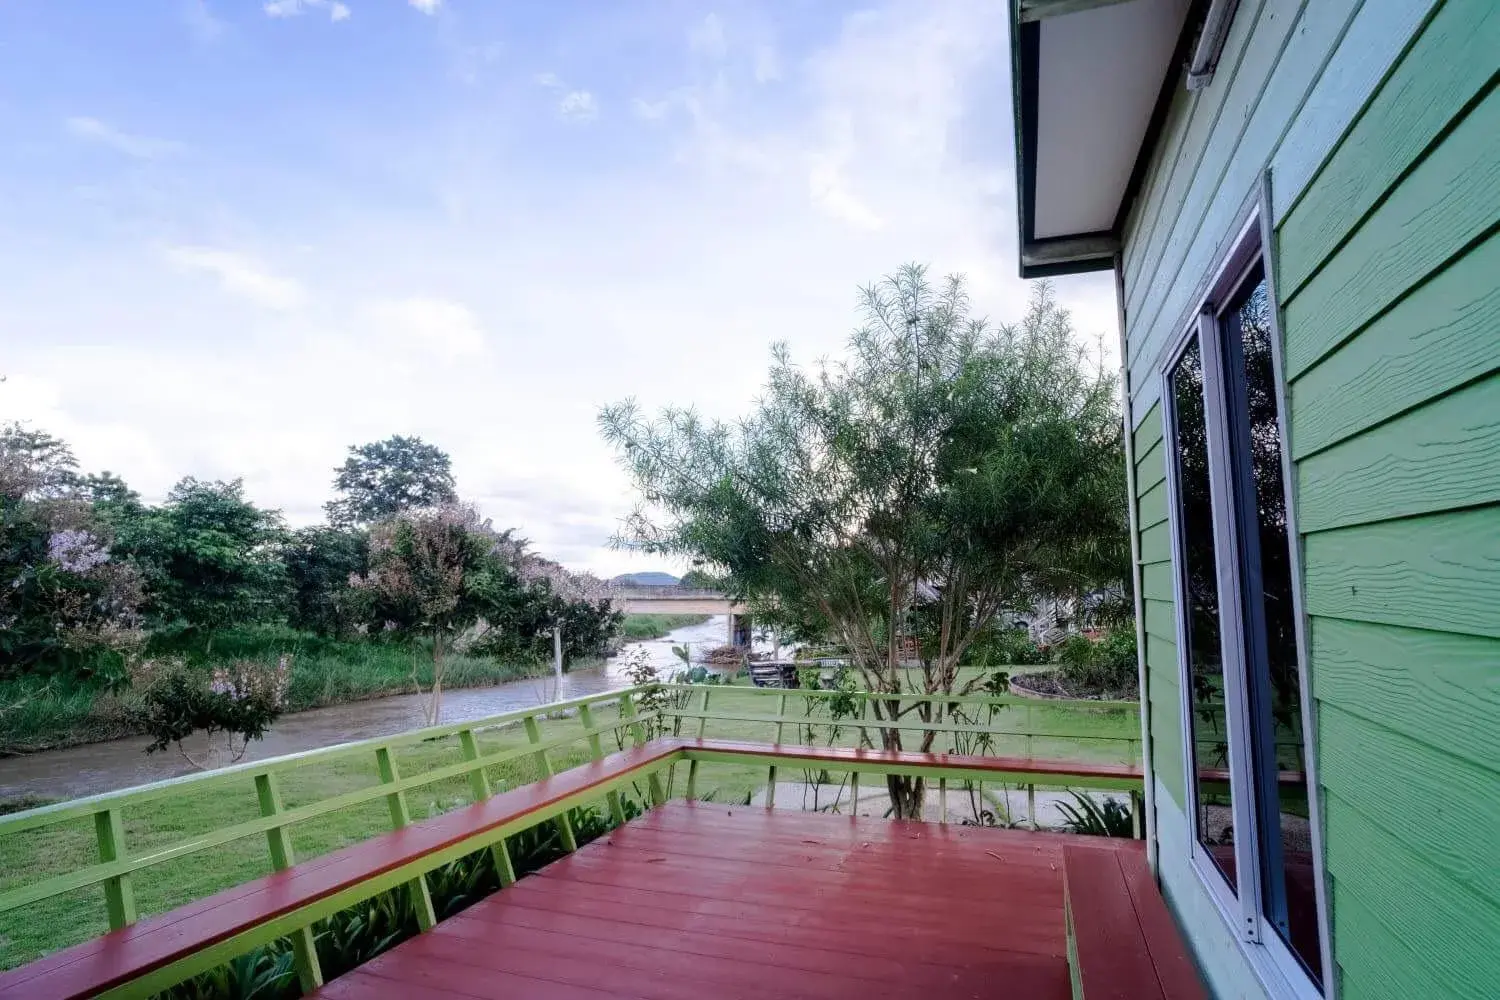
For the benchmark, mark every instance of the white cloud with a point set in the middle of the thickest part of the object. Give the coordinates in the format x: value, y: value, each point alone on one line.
x: 240, y: 275
x: 138, y: 146
x: 830, y: 192
x: 295, y: 8
x: 201, y: 21
x: 578, y: 106
x: 428, y: 7
x: 546, y: 291
x: 429, y: 325
x: 706, y: 38
x: 767, y: 65
x: 650, y: 111
x: 574, y: 105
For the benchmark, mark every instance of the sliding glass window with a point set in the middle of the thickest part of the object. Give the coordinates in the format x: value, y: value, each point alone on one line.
x: 1245, y: 757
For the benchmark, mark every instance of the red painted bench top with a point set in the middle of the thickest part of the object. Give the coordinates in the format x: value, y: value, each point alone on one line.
x: 833, y: 756
x: 1127, y: 945
x: 153, y: 942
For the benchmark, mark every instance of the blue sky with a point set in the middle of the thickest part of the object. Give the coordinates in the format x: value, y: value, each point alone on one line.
x: 236, y: 238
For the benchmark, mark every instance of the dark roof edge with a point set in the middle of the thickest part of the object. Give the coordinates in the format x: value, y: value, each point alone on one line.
x: 1082, y: 252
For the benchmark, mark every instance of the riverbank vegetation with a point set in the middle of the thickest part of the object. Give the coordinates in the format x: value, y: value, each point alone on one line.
x: 645, y: 626
x: 902, y: 500
x: 404, y: 589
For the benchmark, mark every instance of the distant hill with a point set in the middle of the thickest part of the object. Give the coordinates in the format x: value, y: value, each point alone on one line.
x: 645, y: 580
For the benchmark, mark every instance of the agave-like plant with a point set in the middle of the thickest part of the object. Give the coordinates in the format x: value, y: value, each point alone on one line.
x: 1092, y: 818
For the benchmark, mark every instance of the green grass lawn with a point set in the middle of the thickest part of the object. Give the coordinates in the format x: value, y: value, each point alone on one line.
x: 1105, y: 733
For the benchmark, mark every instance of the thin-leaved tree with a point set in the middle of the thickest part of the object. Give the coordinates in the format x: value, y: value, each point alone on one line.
x: 942, y: 472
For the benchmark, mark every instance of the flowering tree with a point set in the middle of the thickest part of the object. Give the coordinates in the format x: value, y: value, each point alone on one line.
x: 67, y: 602
x: 237, y: 703
x: 433, y: 573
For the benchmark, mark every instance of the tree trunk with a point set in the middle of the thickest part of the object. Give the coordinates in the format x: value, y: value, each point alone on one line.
x: 435, y: 706
x: 907, y: 795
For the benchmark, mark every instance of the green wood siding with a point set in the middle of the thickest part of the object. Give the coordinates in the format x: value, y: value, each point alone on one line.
x: 1159, y: 602
x: 1388, y: 269
x: 1380, y: 123
x: 1197, y: 188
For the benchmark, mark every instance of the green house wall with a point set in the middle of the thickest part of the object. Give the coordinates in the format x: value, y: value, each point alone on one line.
x: 1379, y: 122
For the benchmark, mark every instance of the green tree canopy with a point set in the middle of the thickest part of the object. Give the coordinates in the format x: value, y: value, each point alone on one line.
x: 944, y: 471
x: 384, y: 478
x: 320, y: 563
x: 34, y: 465
x: 209, y: 555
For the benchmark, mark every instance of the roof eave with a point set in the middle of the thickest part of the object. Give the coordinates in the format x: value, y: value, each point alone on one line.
x: 1081, y: 252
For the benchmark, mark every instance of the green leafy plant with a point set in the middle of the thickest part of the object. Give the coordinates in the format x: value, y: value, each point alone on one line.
x: 239, y: 702
x: 1087, y: 815
x: 1107, y: 665
x: 265, y: 973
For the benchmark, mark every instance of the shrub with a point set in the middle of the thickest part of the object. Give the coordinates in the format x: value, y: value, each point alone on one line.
x: 1106, y: 665
x: 240, y: 700
x: 1004, y: 648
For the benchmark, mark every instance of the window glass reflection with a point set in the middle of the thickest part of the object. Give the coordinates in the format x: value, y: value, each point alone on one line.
x: 1273, y: 685
x: 1210, y: 748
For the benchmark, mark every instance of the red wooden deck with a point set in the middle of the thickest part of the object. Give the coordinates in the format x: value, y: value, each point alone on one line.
x: 694, y: 901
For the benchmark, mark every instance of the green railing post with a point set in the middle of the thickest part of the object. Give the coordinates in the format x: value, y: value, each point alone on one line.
x: 596, y: 751
x: 771, y: 771
x: 479, y: 788
x: 943, y: 800
x: 421, y: 896
x: 692, y: 785
x: 304, y: 949
x: 119, y: 894
x: 853, y: 793
x: 638, y: 733
x: 564, y: 825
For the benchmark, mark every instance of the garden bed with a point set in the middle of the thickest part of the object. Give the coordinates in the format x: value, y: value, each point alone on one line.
x: 1056, y: 684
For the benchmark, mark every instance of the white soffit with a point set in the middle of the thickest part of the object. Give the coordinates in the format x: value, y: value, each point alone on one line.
x: 1098, y: 75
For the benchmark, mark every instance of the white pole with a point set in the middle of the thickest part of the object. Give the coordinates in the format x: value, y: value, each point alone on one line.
x: 557, y: 652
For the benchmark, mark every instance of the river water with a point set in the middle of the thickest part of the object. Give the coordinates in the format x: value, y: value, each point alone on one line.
x: 102, y: 767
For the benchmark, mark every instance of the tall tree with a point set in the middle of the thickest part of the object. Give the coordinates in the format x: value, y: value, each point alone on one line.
x: 943, y: 472
x: 210, y: 558
x: 384, y: 478
x: 321, y: 562
x: 433, y: 574
x: 66, y: 601
x: 34, y: 465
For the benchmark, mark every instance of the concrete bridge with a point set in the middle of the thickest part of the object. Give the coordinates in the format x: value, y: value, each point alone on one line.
x: 673, y: 601
x: 685, y: 601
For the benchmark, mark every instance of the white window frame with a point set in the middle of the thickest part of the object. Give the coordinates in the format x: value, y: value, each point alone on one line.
x: 1280, y: 972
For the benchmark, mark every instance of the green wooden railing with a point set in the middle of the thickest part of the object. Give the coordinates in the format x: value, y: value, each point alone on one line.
x: 988, y: 725
x: 118, y: 866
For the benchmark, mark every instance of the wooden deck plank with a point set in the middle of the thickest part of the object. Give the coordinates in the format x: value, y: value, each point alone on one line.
x: 1114, y: 962
x: 791, y: 950
x: 693, y: 902
x: 732, y: 918
x: 1169, y: 954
